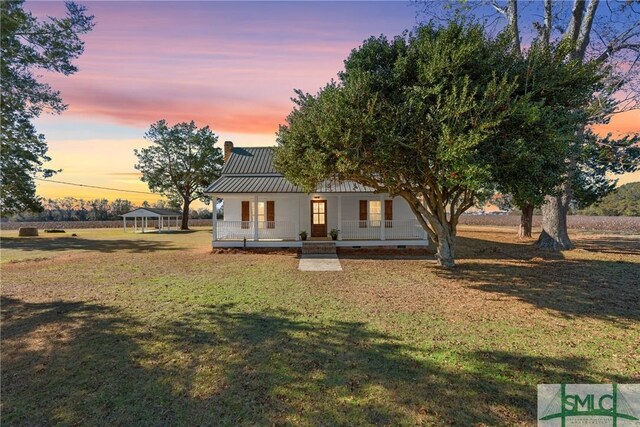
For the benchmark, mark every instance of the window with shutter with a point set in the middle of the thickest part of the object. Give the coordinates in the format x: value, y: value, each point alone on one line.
x: 271, y: 214
x: 246, y: 216
x: 363, y: 214
x: 388, y: 213
x: 375, y: 213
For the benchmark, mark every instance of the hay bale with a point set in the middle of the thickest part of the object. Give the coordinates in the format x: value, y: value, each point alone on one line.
x: 27, y: 231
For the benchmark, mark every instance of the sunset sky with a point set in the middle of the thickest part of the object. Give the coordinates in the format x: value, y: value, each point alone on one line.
x: 232, y: 66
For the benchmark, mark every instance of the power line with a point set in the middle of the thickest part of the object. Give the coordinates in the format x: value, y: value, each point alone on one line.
x: 94, y: 186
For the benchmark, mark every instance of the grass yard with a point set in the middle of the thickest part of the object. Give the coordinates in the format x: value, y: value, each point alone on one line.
x: 109, y: 328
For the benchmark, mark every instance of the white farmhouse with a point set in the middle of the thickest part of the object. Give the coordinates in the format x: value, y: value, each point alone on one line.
x: 263, y: 209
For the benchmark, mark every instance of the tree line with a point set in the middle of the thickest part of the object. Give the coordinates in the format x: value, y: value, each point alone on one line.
x: 72, y: 209
x: 624, y: 201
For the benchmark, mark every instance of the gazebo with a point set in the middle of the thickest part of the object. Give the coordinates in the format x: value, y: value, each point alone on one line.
x: 160, y: 215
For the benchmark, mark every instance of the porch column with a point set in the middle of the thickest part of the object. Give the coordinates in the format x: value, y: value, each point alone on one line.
x: 382, y: 223
x: 124, y: 223
x: 255, y: 218
x: 214, y: 219
x: 340, y: 217
x: 297, y: 223
x: 135, y: 224
x: 143, y: 218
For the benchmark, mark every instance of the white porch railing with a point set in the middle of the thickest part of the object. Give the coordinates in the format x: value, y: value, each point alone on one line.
x: 370, y: 230
x: 277, y: 230
x: 235, y: 230
x: 350, y: 230
x: 267, y: 230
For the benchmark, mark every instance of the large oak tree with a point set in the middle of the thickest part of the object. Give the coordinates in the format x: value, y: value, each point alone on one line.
x: 530, y: 160
x: 182, y: 161
x: 27, y: 46
x: 605, y: 31
x: 420, y: 116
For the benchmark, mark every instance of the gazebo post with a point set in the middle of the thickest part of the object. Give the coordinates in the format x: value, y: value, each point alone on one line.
x: 144, y: 219
x: 124, y: 223
x: 135, y: 224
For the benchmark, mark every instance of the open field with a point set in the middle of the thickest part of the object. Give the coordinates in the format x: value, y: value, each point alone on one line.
x: 619, y: 224
x: 14, y: 225
x: 123, y: 329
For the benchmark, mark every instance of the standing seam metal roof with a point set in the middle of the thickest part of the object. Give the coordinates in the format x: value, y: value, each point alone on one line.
x: 251, y: 170
x: 253, y: 160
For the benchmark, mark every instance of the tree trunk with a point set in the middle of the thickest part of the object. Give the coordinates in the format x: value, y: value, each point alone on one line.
x: 185, y: 216
x: 526, y: 221
x: 512, y: 17
x: 446, y: 243
x: 554, y: 233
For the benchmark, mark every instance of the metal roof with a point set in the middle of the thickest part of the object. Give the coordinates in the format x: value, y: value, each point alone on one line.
x: 253, y: 184
x: 251, y: 170
x: 250, y: 160
x: 334, y: 186
x: 154, y: 211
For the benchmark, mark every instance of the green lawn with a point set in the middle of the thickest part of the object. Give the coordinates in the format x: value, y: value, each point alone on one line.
x: 108, y: 328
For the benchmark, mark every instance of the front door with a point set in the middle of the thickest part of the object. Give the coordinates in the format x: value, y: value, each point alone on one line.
x: 318, y: 218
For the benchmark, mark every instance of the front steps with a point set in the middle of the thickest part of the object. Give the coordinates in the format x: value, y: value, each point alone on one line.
x: 318, y: 247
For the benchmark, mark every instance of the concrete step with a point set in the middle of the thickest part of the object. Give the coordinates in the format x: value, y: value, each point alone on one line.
x: 318, y: 247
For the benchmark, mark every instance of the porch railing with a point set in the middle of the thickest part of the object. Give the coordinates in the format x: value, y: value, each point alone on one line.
x: 370, y: 230
x: 350, y: 230
x: 267, y: 230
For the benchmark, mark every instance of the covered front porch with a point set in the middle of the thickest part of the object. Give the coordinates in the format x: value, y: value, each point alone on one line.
x: 277, y: 220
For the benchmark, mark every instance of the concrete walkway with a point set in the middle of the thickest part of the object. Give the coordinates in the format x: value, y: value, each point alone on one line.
x: 319, y: 262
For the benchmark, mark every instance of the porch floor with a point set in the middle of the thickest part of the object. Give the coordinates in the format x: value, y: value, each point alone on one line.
x: 298, y: 243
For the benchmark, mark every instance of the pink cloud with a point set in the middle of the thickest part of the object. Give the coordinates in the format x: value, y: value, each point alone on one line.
x: 234, y: 66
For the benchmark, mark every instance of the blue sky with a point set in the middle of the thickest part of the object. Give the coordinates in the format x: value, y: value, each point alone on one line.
x: 230, y: 65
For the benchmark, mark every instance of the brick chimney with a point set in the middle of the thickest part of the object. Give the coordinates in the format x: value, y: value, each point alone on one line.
x: 228, y: 148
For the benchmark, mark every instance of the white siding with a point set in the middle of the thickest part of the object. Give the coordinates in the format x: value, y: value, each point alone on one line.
x: 351, y: 207
x: 286, y: 206
x: 289, y: 207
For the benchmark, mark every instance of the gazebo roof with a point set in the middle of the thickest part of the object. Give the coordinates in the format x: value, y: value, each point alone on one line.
x: 151, y: 213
